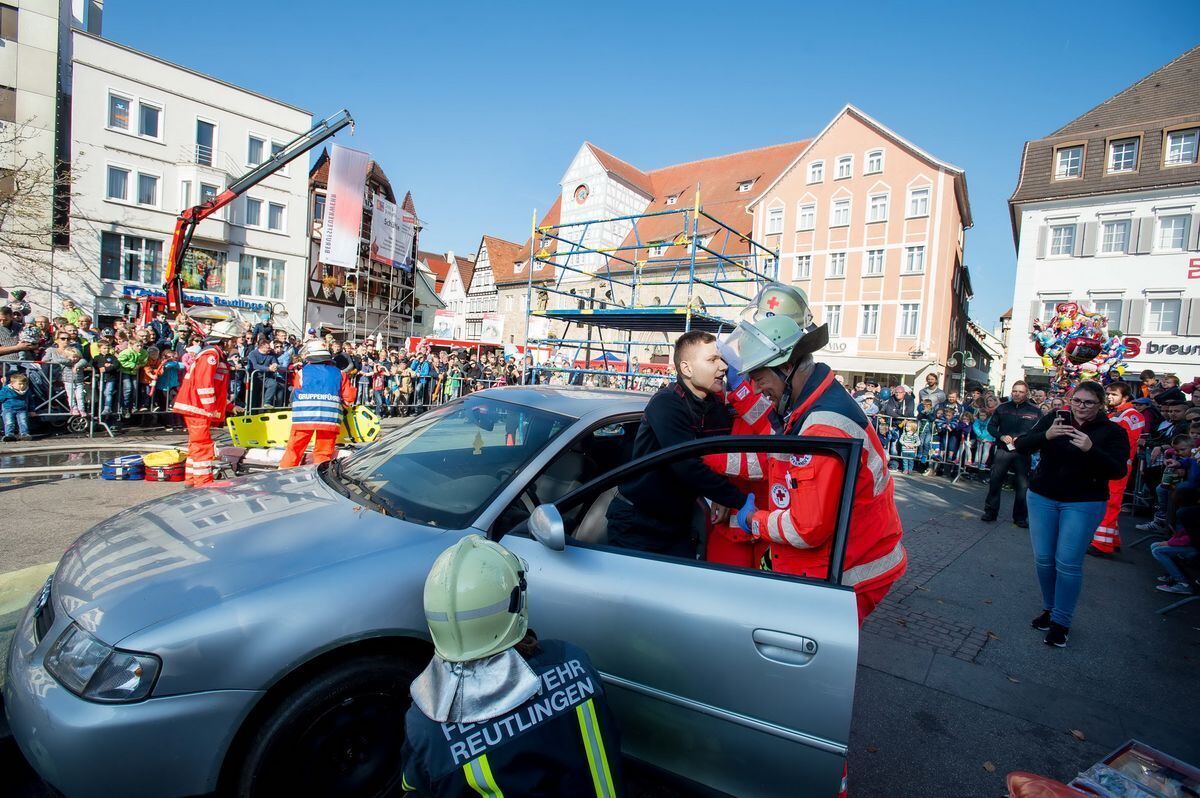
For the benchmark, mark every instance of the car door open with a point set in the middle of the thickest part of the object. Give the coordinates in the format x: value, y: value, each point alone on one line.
x: 741, y: 680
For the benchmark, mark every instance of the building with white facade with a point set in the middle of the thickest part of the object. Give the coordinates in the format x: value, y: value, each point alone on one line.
x: 35, y: 65
x: 150, y: 138
x: 1107, y: 214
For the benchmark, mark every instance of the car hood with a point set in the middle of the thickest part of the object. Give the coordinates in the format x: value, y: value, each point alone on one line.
x: 198, y: 547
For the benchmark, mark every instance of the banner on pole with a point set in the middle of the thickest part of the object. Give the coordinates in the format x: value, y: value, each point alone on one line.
x: 342, y: 225
x: 392, y: 231
x: 492, y: 329
x: 446, y: 324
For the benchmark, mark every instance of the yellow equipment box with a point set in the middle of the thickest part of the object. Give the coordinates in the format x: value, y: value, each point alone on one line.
x: 360, y: 424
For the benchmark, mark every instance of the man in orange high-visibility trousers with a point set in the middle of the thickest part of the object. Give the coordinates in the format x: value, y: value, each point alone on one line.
x: 317, y: 404
x: 1122, y: 410
x: 798, y: 525
x: 203, y: 400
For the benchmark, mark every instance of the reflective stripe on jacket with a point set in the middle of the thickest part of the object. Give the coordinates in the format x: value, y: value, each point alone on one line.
x: 204, y: 392
x: 318, y: 400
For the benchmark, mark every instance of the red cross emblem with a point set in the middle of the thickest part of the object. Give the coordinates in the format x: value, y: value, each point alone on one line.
x: 772, y: 303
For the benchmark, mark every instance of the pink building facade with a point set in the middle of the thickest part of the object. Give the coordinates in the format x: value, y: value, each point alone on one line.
x: 871, y: 227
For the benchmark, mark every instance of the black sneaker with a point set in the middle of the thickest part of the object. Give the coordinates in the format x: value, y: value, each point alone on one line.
x: 1057, y: 636
x: 987, y: 518
x: 1022, y: 524
x: 1042, y: 622
x: 9, y: 438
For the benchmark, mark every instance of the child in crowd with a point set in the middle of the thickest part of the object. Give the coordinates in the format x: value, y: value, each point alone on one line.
x: 108, y: 375
x: 131, y: 358
x: 869, y: 405
x: 379, y: 386
x: 170, y: 375
x: 983, y: 440
x: 937, y: 430
x: 14, y: 406
x: 74, y: 380
x: 148, y: 379
x: 910, y: 443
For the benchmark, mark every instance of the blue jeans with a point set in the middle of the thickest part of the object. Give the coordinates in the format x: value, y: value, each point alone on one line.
x: 1061, y: 533
x: 16, y: 422
x: 129, y: 392
x: 108, y: 393
x: 1165, y: 555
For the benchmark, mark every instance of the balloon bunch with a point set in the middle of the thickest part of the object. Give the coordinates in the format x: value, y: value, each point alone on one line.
x: 1077, y: 345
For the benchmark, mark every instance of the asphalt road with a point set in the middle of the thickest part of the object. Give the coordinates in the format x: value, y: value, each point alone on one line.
x: 954, y: 690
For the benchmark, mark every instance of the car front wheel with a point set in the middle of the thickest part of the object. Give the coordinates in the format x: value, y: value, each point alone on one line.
x: 338, y: 734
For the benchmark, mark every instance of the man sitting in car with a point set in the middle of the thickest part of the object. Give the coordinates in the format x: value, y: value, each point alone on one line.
x: 654, y: 511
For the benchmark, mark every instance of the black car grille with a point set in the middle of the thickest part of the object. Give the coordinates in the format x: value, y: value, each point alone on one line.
x: 44, y: 619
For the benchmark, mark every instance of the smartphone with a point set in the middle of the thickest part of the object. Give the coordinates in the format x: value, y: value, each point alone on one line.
x: 1063, y: 416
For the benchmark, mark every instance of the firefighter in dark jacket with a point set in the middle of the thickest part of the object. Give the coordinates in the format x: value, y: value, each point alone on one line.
x: 654, y: 512
x: 1011, y: 420
x: 498, y: 712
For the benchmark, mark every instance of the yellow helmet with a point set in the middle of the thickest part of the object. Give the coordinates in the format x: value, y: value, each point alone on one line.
x: 475, y: 600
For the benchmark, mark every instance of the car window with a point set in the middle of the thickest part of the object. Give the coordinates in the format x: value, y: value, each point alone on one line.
x: 601, y: 449
x: 444, y: 467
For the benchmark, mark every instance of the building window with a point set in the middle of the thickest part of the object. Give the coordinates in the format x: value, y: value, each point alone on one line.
x: 206, y: 140
x: 1111, y: 310
x: 1123, y: 155
x: 918, y: 202
x: 803, y: 267
x: 149, y: 117
x: 837, y: 264
x: 1115, y: 237
x: 1172, y: 233
x: 910, y: 317
x: 1068, y: 162
x: 816, y: 172
x: 8, y: 23
x: 118, y: 112
x: 806, y: 217
x: 1062, y: 240
x: 203, y: 270
x: 147, y: 190
x: 1049, y: 310
x: 208, y: 193
x: 874, y: 261
x: 833, y: 317
x: 8, y: 104
x: 260, y: 277
x: 254, y: 151
x: 914, y: 260
x: 1181, y: 147
x: 878, y: 209
x: 744, y: 186
x: 118, y: 184
x: 870, y: 320
x: 130, y: 258
x: 274, y: 216
x: 1163, y: 316
x: 775, y: 220
x: 185, y: 194
x: 841, y: 213
x: 253, y: 212
x: 874, y: 164
x: 318, y: 208
x: 658, y: 249
x: 671, y: 200
x: 845, y: 167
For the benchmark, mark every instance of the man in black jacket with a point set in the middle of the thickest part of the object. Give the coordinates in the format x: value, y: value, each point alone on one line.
x: 654, y: 512
x: 1011, y: 419
x: 901, y: 404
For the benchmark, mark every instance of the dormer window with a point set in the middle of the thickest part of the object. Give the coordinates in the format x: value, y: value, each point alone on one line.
x: 671, y: 200
x: 744, y: 186
x: 658, y: 249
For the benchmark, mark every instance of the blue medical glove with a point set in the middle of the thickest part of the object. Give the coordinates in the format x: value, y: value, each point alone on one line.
x: 733, y: 378
x: 743, y: 516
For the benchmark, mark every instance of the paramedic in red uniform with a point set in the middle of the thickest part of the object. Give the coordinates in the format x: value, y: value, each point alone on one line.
x: 1121, y: 410
x: 323, y: 391
x: 799, y: 522
x: 203, y: 401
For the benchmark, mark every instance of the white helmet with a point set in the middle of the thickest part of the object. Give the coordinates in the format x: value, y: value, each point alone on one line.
x: 228, y: 328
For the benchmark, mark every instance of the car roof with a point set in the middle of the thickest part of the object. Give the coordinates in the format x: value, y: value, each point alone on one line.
x: 569, y: 400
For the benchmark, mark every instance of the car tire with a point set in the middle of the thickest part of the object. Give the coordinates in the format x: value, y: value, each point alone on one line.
x: 340, y: 734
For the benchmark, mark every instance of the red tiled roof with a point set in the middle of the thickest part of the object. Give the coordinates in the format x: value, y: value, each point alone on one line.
x: 627, y: 172
x: 500, y: 252
x: 440, y: 266
x: 408, y: 203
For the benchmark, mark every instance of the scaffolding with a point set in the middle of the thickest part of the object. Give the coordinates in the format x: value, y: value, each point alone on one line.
x: 683, y: 253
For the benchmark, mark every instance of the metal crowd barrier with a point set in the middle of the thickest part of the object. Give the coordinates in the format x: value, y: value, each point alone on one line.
x: 970, y: 454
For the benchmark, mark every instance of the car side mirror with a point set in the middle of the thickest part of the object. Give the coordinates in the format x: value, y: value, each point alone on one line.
x: 546, y: 526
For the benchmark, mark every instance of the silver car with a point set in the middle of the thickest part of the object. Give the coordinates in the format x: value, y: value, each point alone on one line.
x: 258, y: 637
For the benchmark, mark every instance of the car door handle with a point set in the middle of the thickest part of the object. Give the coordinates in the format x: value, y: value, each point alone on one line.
x: 783, y: 647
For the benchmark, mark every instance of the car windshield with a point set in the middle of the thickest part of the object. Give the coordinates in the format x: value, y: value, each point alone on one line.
x: 444, y: 467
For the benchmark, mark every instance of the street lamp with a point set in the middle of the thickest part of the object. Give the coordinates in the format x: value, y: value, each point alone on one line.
x: 968, y: 362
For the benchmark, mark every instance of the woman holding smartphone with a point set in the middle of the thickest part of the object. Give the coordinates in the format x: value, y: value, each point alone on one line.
x: 1081, y: 451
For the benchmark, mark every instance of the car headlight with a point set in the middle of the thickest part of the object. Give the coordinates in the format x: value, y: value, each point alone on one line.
x: 95, y: 671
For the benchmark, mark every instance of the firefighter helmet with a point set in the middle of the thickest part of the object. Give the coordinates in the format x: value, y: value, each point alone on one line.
x: 766, y: 343
x: 780, y: 299
x: 475, y: 600
x: 227, y: 328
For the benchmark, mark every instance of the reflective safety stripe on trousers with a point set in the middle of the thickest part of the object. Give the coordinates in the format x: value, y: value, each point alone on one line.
x: 874, y: 568
x: 479, y: 775
x: 593, y: 744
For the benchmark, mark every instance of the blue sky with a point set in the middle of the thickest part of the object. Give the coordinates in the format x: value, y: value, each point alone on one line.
x: 477, y: 110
